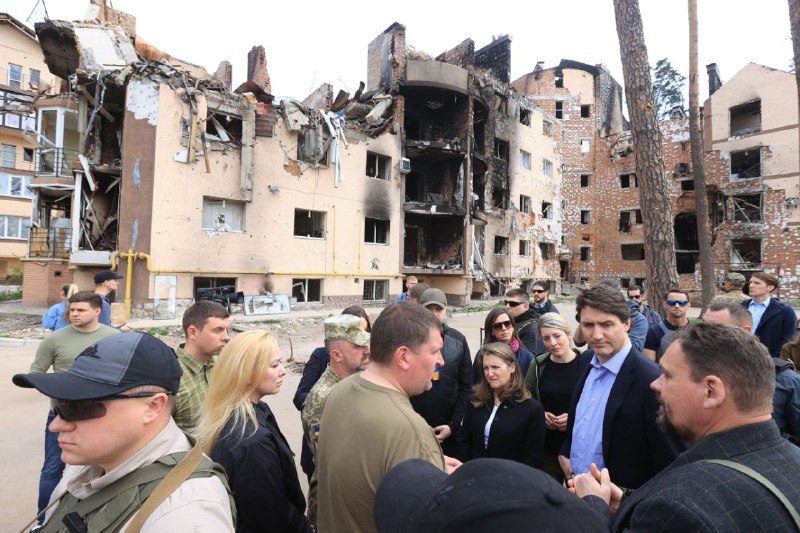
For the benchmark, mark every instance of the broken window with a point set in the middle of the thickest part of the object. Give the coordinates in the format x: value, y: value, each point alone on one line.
x: 547, y: 128
x: 15, y: 186
x: 524, y: 248
x: 625, y: 221
x: 501, y: 104
x: 500, y: 197
x: 560, y: 110
x: 584, y: 180
x: 746, y: 254
x: 8, y: 156
x: 628, y: 180
x: 687, y: 185
x: 625, y: 282
x: 585, y: 237
x: 500, y: 245
x: 632, y: 252
x: 14, y: 227
x: 546, y: 249
x: 638, y: 213
x: 747, y: 208
x: 33, y: 78
x: 639, y: 282
x: 525, y: 117
x: 501, y: 149
x: 681, y: 170
x: 378, y: 166
x: 586, y: 216
x: 559, y: 80
x: 524, y: 203
x: 223, y: 215
x: 27, y: 155
x: 547, y: 210
x: 686, y: 242
x: 14, y: 76
x: 585, y: 111
x: 746, y: 118
x: 376, y: 290
x: 212, y: 283
x: 524, y: 159
x: 746, y: 164
x: 376, y: 231
x: 684, y: 146
x: 586, y: 145
x: 224, y: 128
x: 307, y: 290
x: 585, y: 251
x: 309, y: 224
x: 547, y: 168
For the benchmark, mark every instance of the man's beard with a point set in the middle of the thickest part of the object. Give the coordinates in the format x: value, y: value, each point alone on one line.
x: 666, y: 425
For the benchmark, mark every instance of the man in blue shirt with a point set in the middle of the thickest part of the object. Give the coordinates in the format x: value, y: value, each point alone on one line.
x: 106, y: 282
x: 410, y: 282
x: 612, y: 417
x: 774, y: 322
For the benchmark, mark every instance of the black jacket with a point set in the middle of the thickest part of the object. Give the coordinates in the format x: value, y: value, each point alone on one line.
x: 517, y: 432
x: 528, y: 331
x: 446, y: 401
x: 262, y: 476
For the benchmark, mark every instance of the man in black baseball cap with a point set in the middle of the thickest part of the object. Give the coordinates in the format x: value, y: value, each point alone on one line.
x: 482, y: 496
x: 106, y: 282
x: 113, y: 410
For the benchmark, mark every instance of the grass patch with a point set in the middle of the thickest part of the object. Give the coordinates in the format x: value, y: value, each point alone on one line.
x: 163, y: 330
x: 270, y: 321
x: 7, y: 296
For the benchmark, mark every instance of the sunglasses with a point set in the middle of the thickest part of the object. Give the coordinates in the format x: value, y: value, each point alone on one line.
x: 506, y: 324
x: 76, y: 410
x: 682, y: 303
x: 513, y: 304
x: 538, y: 291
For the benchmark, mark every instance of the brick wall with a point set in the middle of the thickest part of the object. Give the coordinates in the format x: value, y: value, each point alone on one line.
x: 266, y: 116
x: 42, y: 281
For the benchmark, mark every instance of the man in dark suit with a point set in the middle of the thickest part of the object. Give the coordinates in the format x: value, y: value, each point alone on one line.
x: 716, y: 391
x: 612, y: 418
x: 774, y: 322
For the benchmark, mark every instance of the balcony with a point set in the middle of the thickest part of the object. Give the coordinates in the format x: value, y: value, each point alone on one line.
x: 53, y: 242
x: 17, y: 79
x: 56, y: 162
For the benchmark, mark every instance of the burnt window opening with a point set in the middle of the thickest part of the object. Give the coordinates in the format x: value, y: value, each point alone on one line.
x: 585, y: 252
x: 525, y: 117
x: 585, y: 237
x: 524, y: 203
x: 435, y: 181
x: 378, y: 166
x: 547, y: 210
x: 638, y: 216
x: 745, y: 118
x: 500, y: 197
x: 546, y: 249
x: 435, y: 242
x: 584, y: 280
x: 747, y: 208
x: 746, y: 254
x: 625, y: 282
x: 687, y: 185
x: 628, y: 180
x: 525, y: 248
x: 746, y: 164
x: 681, y: 170
x: 686, y: 242
x: 500, y: 245
x: 684, y: 146
x: 501, y: 149
x: 376, y: 290
x: 501, y: 104
x: 559, y: 80
x: 585, y: 111
x: 586, y: 216
x: 27, y: 155
x: 632, y: 252
x: 547, y: 128
x: 309, y: 224
x: 625, y: 222
x: 376, y: 231
x: 560, y: 110
x: 584, y: 180
x: 224, y: 128
x: 639, y: 282
x: 307, y: 290
x: 211, y: 283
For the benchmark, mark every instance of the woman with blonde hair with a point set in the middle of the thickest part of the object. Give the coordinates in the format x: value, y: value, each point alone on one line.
x: 239, y: 431
x: 503, y: 420
x: 551, y: 379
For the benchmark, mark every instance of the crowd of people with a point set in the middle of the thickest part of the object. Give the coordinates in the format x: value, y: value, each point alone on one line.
x: 686, y: 426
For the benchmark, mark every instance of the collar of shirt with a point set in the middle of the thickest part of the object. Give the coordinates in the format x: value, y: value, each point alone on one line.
x: 191, y: 364
x: 764, y: 304
x: 615, y: 362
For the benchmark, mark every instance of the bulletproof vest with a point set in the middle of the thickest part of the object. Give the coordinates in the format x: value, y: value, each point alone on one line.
x: 111, y: 507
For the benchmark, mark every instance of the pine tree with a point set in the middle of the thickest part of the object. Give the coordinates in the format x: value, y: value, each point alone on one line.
x: 667, y: 87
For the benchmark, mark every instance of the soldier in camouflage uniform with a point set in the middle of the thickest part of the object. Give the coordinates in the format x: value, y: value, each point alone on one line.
x: 348, y: 346
x: 733, y: 284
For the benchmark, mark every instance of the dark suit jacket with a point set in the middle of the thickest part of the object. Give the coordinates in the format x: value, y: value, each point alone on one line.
x: 693, y: 496
x: 778, y: 325
x: 634, y: 448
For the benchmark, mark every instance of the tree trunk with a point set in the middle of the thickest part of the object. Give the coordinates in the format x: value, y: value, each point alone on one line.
x: 794, y: 20
x: 698, y: 169
x: 654, y: 190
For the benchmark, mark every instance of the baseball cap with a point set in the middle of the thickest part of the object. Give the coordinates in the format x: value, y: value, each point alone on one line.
x: 481, y: 496
x: 735, y: 277
x: 433, y: 296
x: 112, y: 365
x: 105, y: 275
x: 346, y: 328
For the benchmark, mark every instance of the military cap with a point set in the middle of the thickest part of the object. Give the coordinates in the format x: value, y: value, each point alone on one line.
x: 346, y: 328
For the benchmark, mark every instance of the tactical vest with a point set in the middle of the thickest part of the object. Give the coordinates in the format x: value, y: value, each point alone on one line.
x: 111, y: 507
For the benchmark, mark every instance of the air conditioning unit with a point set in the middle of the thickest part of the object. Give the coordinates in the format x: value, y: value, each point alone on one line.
x: 404, y: 166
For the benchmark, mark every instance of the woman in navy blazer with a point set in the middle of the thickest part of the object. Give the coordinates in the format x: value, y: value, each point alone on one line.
x: 503, y: 420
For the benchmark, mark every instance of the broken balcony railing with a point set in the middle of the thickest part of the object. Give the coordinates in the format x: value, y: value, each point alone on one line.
x: 49, y: 242
x: 56, y: 162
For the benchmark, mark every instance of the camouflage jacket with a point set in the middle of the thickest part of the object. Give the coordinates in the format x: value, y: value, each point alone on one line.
x: 732, y: 296
x: 312, y: 408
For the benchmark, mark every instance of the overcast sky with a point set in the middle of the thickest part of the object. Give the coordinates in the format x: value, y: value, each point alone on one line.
x: 313, y: 42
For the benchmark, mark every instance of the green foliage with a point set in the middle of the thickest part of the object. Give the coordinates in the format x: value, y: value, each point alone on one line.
x: 7, y: 296
x: 15, y: 278
x: 667, y: 87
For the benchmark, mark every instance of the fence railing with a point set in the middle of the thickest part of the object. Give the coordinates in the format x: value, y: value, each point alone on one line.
x: 57, y: 162
x: 49, y: 242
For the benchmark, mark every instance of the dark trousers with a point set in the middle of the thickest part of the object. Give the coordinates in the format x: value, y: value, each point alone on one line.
x: 53, y: 466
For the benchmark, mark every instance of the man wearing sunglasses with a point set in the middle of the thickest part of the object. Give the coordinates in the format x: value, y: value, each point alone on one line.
x: 659, y: 336
x: 636, y: 294
x: 541, y: 299
x: 114, y: 427
x: 518, y: 307
x: 58, y: 351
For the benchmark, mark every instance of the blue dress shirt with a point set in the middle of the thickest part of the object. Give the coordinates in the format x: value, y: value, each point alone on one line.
x: 757, y: 310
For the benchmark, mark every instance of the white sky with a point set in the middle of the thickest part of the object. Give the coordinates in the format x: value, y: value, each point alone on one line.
x: 314, y: 42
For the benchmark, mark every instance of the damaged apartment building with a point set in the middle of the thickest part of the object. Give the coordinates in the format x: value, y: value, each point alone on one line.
x: 750, y: 139
x: 166, y: 173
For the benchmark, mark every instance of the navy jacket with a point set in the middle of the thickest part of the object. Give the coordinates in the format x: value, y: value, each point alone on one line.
x: 634, y: 448
x: 777, y: 327
x: 786, y: 401
x: 693, y: 496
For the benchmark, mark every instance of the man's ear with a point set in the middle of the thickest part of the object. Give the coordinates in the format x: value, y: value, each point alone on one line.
x: 192, y: 331
x: 156, y: 405
x: 336, y: 355
x: 401, y: 357
x: 715, y: 392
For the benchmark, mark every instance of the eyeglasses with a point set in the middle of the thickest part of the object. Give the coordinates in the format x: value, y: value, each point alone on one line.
x: 513, y: 304
x: 506, y: 324
x: 635, y: 297
x: 76, y: 410
x: 538, y: 291
x: 682, y: 303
